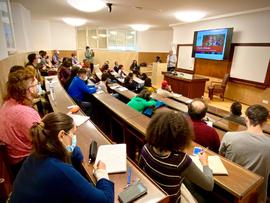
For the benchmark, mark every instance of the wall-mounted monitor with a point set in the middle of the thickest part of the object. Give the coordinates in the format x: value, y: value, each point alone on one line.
x: 212, y: 44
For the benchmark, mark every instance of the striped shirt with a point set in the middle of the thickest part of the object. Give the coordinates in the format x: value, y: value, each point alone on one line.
x: 165, y: 170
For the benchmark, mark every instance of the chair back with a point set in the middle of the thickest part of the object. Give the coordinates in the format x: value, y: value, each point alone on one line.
x: 225, y: 80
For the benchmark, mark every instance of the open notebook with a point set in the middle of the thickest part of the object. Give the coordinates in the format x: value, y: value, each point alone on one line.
x: 114, y: 156
x: 215, y: 164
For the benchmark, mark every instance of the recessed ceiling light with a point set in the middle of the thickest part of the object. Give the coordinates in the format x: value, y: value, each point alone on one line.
x: 74, y: 21
x: 140, y: 27
x: 189, y: 16
x: 87, y: 5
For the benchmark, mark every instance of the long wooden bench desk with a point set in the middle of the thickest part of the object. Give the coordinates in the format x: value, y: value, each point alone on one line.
x: 218, y: 112
x: 88, y: 132
x: 238, y: 186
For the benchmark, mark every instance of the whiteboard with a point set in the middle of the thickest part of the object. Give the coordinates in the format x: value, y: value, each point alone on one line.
x: 184, y: 59
x: 250, y: 63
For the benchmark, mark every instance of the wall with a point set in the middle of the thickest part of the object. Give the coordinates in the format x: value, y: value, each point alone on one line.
x: 248, y: 28
x: 22, y: 27
x: 154, y: 41
x: 41, y: 35
x: 63, y: 36
x: 3, y: 46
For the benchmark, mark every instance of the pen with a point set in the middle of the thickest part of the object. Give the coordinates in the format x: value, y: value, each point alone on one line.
x: 129, y: 176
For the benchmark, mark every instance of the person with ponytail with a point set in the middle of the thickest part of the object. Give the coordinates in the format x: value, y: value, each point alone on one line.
x: 47, y: 174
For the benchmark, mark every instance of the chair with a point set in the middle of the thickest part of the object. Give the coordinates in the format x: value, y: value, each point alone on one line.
x: 218, y: 88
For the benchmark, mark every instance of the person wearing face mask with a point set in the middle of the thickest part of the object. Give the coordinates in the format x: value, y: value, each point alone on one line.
x: 17, y: 116
x: 78, y: 90
x: 33, y: 61
x: 53, y: 179
x: 64, y: 72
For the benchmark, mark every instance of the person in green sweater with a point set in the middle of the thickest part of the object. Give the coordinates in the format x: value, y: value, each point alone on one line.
x: 141, y: 101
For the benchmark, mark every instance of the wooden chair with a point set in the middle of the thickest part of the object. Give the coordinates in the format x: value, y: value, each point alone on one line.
x: 218, y: 88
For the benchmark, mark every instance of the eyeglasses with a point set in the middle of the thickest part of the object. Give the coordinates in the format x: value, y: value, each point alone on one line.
x: 68, y: 134
x: 34, y: 85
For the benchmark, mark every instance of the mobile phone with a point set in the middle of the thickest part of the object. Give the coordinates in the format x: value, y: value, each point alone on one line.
x: 197, y: 150
x: 132, y: 193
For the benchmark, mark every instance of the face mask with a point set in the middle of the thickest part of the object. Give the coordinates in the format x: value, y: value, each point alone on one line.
x: 39, y: 89
x: 39, y: 60
x: 71, y: 147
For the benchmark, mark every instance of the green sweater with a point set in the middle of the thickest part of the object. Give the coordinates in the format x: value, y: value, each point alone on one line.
x: 139, y: 104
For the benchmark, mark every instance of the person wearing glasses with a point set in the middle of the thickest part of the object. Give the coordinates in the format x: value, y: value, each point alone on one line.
x: 53, y: 179
x: 17, y: 116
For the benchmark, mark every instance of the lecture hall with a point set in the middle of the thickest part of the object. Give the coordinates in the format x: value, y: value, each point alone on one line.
x: 135, y: 101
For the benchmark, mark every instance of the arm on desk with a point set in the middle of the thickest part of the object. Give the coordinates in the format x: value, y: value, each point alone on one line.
x: 205, y: 180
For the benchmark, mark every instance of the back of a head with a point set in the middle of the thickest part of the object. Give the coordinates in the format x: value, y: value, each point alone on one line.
x: 31, y: 57
x: 18, y: 84
x: 82, y: 71
x: 148, y: 82
x: 257, y: 114
x: 197, y: 109
x: 67, y: 62
x: 44, y: 135
x: 42, y: 53
x: 130, y: 75
x: 87, y: 47
x: 144, y: 76
x: 127, y: 79
x: 236, y: 109
x: 105, y: 76
x: 145, y: 94
x: 169, y: 130
x: 164, y: 84
x: 15, y: 68
x: 74, y: 70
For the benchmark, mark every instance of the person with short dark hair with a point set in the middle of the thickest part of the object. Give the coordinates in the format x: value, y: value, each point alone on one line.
x: 78, y: 90
x: 129, y: 83
x: 17, y: 116
x: 141, y: 101
x: 33, y: 61
x: 53, y: 179
x: 143, y: 76
x: 236, y: 112
x: 56, y: 59
x: 89, y: 56
x: 250, y: 148
x: 163, y: 157
x: 204, y: 134
x: 74, y: 59
x: 158, y: 59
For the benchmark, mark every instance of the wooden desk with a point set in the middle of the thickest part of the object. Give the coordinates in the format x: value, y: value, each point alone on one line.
x: 88, y: 132
x: 240, y: 183
x: 191, y: 86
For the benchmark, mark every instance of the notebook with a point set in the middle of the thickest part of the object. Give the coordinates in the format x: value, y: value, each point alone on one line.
x: 114, y: 156
x: 214, y: 162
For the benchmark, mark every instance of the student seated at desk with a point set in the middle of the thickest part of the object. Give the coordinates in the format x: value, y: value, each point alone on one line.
x: 129, y: 82
x: 163, y: 159
x: 102, y: 85
x: 48, y: 176
x: 236, y: 112
x: 148, y: 85
x: 165, y: 89
x: 141, y: 101
x: 204, y: 135
x: 250, y: 148
x: 78, y: 89
x: 135, y: 68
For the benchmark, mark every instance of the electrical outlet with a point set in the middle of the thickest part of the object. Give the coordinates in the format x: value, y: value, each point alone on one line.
x: 265, y: 101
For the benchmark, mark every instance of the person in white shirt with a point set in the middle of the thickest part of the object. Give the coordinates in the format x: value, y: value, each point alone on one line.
x: 165, y: 90
x: 171, y: 61
x: 102, y: 85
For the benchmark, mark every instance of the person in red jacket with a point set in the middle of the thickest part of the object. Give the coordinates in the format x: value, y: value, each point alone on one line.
x: 204, y: 135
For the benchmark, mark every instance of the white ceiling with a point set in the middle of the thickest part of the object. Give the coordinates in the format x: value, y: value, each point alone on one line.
x: 157, y: 13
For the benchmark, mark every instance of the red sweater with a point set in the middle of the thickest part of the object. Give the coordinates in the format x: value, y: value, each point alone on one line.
x: 206, y: 135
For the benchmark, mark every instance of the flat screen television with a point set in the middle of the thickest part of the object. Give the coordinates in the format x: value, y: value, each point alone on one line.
x: 212, y: 44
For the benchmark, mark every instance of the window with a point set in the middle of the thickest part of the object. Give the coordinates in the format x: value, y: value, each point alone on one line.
x: 5, y: 16
x: 112, y: 39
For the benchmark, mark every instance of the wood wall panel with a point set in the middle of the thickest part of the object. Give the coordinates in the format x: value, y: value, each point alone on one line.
x: 150, y: 57
x: 212, y: 68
